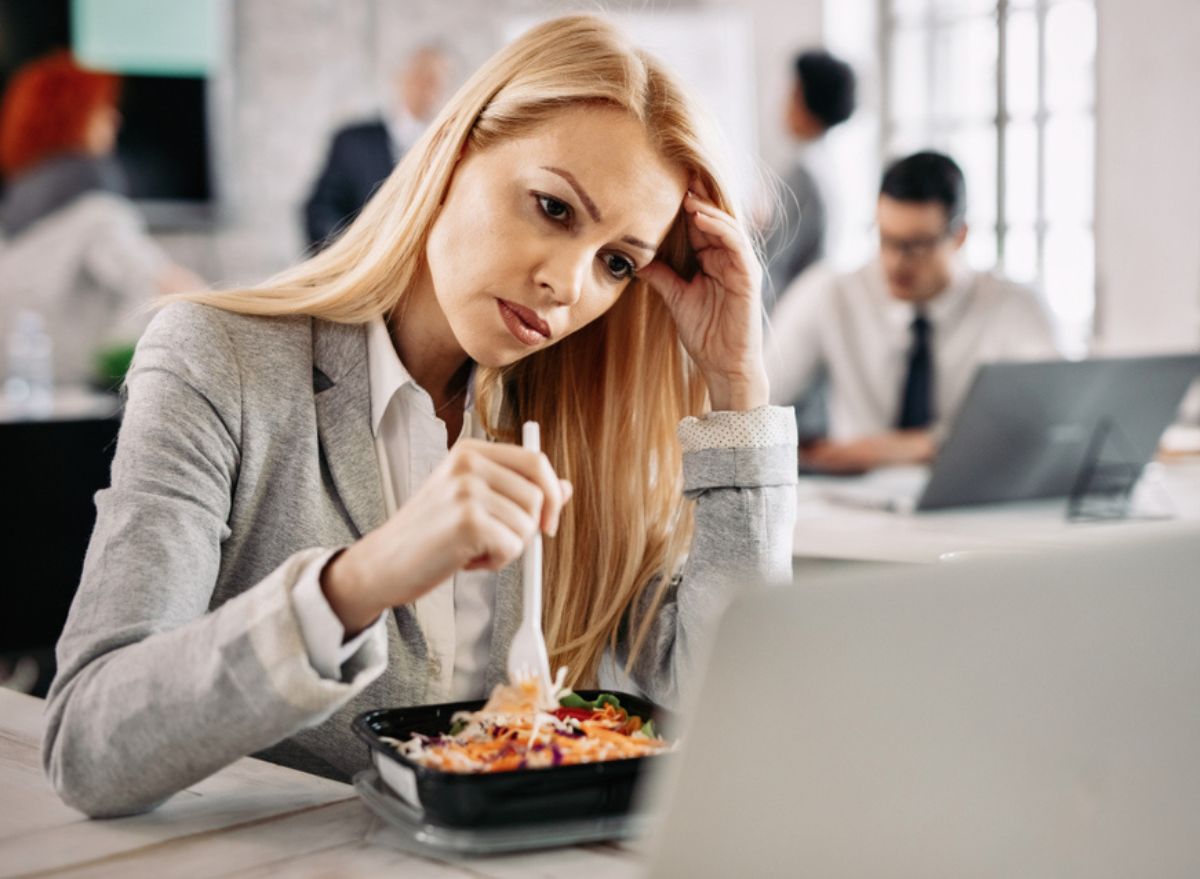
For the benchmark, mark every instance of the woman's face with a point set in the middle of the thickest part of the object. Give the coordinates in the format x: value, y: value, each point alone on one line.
x: 100, y: 134
x: 539, y: 235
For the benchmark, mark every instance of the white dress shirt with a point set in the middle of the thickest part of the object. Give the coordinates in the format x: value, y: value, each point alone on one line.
x: 456, y: 616
x: 853, y: 328
x: 404, y: 130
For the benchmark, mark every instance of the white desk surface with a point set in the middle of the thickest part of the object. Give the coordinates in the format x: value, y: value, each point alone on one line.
x: 828, y: 530
x: 251, y: 819
x: 71, y: 403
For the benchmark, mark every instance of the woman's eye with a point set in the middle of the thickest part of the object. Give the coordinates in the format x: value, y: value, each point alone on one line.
x: 618, y: 266
x: 554, y: 209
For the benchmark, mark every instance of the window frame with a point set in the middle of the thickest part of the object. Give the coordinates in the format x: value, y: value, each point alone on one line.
x: 1074, y: 334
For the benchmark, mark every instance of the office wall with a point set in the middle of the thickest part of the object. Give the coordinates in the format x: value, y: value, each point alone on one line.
x: 1148, y: 175
x: 298, y: 69
x: 781, y: 27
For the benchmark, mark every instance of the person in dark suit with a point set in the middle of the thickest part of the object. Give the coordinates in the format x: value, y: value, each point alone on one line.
x: 362, y: 155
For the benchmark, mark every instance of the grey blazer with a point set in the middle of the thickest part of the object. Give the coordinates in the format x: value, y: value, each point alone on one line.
x: 245, y: 451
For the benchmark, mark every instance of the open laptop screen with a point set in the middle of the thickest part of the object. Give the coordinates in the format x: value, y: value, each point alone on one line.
x: 1027, y: 716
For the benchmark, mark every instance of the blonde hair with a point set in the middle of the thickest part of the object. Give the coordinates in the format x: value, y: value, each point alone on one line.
x: 608, y: 397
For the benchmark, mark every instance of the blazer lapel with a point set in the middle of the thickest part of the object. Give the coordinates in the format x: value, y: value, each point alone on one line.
x: 341, y: 388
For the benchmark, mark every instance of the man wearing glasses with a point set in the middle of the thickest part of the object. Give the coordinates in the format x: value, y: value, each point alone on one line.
x: 899, y: 340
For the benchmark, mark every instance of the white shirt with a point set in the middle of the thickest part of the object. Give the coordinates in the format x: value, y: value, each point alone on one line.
x: 456, y: 616
x: 404, y: 130
x: 860, y: 334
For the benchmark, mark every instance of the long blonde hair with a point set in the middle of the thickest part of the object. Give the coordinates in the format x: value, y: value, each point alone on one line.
x: 608, y: 397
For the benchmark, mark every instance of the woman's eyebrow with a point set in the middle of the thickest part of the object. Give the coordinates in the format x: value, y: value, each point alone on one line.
x: 592, y: 210
x: 638, y: 242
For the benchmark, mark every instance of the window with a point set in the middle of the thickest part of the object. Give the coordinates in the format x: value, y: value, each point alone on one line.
x: 1006, y: 87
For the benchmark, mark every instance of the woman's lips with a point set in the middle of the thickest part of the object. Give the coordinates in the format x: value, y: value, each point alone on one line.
x: 525, y: 325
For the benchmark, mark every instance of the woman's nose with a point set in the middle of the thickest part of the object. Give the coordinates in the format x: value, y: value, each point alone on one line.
x: 563, y: 272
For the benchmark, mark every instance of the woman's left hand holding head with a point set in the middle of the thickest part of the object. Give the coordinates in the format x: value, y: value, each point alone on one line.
x: 717, y: 312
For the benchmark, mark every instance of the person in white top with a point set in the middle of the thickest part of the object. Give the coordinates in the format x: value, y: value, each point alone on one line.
x: 899, y: 339
x: 73, y: 248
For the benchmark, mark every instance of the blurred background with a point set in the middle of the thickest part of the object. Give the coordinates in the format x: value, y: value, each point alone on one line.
x: 1074, y: 121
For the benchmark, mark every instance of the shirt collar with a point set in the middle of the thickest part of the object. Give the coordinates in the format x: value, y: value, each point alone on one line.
x: 385, y: 370
x: 962, y: 278
x: 404, y: 129
x: 938, y: 309
x: 387, y: 374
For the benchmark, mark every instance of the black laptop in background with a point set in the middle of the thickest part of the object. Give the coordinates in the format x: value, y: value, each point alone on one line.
x: 1028, y: 431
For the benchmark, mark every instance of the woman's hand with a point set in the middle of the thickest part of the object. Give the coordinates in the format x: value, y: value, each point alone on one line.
x: 477, y: 510
x: 717, y: 312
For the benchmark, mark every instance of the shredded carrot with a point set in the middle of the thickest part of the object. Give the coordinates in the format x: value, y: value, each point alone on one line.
x: 501, y: 736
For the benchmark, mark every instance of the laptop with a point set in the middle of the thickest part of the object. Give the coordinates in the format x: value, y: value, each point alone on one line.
x: 1026, y: 716
x: 1026, y: 430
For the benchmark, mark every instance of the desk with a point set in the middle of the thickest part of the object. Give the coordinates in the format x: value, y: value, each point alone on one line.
x: 50, y: 469
x: 71, y: 403
x: 831, y: 533
x: 251, y: 819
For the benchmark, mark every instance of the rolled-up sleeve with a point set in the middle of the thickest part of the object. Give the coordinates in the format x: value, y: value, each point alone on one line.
x: 740, y: 468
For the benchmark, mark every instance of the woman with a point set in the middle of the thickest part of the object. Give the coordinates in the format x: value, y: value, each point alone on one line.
x: 72, y: 247
x: 287, y: 541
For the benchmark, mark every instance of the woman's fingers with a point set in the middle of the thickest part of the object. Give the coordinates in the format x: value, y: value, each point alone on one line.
x: 494, y: 533
x: 517, y: 524
x: 514, y: 487
x: 715, y: 223
x: 663, y: 278
x: 474, y: 455
x: 478, y: 510
x: 500, y: 536
x: 698, y: 238
x: 722, y: 234
x: 719, y: 223
x: 719, y: 243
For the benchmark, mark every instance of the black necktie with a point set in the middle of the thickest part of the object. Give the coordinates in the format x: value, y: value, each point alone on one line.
x: 916, y: 406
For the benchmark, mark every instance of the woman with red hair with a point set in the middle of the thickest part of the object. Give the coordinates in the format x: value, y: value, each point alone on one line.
x: 54, y: 109
x: 72, y: 246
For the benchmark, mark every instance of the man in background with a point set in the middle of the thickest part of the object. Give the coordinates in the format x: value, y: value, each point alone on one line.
x: 900, y: 338
x: 822, y: 97
x: 362, y: 155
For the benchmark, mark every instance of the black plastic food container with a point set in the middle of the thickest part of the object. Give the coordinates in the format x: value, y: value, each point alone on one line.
x: 522, y: 796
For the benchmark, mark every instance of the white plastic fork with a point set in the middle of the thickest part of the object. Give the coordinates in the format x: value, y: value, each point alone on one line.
x: 527, y: 656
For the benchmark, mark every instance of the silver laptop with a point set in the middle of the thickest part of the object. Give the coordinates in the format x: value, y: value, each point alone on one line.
x: 1025, y: 431
x: 1035, y: 716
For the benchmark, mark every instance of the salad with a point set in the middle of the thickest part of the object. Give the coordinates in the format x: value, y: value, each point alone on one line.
x: 520, y: 728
